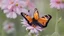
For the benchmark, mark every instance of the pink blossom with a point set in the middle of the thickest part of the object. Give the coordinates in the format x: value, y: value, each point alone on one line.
x: 33, y: 30
x: 59, y: 4
x: 8, y: 27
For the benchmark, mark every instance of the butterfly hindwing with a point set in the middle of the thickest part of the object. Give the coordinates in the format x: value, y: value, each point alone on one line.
x: 44, y: 20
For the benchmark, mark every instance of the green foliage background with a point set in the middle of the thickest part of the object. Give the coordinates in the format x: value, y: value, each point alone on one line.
x: 44, y: 8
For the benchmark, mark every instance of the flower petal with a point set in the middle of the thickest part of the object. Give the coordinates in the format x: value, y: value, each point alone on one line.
x: 36, y: 31
x: 18, y: 11
x: 22, y: 3
x: 11, y: 15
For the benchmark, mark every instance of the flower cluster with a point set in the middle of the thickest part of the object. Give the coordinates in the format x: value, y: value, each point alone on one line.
x: 12, y: 8
x: 59, y: 4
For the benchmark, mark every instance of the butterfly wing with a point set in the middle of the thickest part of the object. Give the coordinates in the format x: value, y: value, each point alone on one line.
x: 36, y: 14
x: 27, y: 17
x: 44, y: 20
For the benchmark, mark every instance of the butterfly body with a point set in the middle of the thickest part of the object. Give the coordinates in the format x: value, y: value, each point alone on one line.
x: 36, y: 20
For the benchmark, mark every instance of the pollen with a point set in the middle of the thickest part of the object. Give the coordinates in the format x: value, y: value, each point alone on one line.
x: 9, y: 27
x: 16, y: 4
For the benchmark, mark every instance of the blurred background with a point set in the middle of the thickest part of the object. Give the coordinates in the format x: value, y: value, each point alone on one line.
x: 43, y: 8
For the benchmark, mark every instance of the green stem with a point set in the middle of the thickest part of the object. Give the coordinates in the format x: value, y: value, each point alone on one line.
x: 56, y: 27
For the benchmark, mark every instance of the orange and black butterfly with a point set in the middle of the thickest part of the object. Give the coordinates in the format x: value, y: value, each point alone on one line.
x: 36, y: 20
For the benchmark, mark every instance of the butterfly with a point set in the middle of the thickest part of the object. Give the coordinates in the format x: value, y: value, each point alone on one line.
x: 36, y: 20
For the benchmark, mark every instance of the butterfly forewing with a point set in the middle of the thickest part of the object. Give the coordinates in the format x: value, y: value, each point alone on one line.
x: 27, y: 17
x: 36, y: 14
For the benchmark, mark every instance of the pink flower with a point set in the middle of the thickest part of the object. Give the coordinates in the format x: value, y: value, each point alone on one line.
x: 13, y: 7
x: 59, y: 4
x: 8, y: 27
x: 33, y: 30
